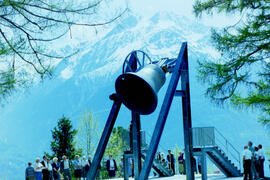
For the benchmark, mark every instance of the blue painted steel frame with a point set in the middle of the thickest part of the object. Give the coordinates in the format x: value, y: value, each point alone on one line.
x: 136, y: 130
x: 108, y: 130
x: 180, y: 67
x: 136, y: 126
x: 186, y: 109
x: 104, y: 139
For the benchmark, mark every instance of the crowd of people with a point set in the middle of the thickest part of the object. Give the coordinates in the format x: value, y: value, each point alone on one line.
x: 169, y: 162
x: 253, y: 161
x: 47, y: 170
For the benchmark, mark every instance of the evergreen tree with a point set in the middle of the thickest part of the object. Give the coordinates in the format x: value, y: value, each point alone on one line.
x: 242, y: 75
x: 63, y: 139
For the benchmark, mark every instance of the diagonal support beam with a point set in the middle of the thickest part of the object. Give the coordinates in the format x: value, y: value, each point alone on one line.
x: 91, y: 175
x: 163, y: 114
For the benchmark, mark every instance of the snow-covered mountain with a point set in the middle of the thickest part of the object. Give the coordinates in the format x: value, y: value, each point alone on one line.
x: 85, y: 81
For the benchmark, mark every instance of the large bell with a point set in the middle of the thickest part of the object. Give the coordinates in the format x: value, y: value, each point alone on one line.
x: 138, y: 90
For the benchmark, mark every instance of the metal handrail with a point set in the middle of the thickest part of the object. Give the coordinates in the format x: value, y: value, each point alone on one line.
x: 228, y: 143
x: 221, y: 142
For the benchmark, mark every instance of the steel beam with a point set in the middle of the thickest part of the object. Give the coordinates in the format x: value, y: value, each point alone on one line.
x: 104, y: 138
x: 163, y: 114
x: 204, y: 165
x: 179, y: 93
x: 136, y: 131
x: 186, y: 109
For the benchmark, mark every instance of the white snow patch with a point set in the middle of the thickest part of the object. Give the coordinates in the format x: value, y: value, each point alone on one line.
x: 211, y: 51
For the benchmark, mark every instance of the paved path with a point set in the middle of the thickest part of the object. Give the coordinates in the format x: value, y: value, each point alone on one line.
x: 197, y: 177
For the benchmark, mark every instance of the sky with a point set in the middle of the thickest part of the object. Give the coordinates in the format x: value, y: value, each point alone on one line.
x: 183, y: 7
x: 145, y: 9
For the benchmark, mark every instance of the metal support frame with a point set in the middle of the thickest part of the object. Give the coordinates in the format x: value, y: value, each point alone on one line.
x: 204, y: 165
x: 104, y: 138
x: 181, y: 68
x: 136, y: 131
x: 109, y: 126
x: 186, y: 109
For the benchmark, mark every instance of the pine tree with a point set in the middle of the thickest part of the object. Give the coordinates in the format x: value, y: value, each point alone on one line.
x: 242, y: 75
x: 63, y: 139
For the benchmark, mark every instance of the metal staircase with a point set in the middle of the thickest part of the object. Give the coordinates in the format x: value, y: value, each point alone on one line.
x: 219, y: 158
x: 218, y: 150
x: 157, y: 166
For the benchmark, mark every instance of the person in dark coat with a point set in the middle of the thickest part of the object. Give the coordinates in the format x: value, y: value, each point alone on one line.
x: 194, y: 163
x: 56, y: 169
x: 170, y: 159
x: 87, y: 167
x: 111, y: 166
x: 261, y: 161
x: 181, y: 163
x: 45, y: 171
x: 247, y: 155
x: 158, y: 156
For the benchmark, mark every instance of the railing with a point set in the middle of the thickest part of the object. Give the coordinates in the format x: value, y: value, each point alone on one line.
x: 203, y: 137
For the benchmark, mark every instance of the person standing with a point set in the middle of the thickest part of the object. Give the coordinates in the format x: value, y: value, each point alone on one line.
x: 38, y: 169
x: 163, y: 160
x: 247, y: 163
x: 159, y: 156
x: 89, y: 161
x: 29, y: 172
x: 256, y: 161
x: 77, y: 168
x: 45, y: 172
x: 111, y: 166
x: 170, y: 159
x: 56, y: 169
x: 85, y: 166
x: 252, y: 166
x: 181, y: 163
x: 50, y: 169
x: 261, y: 161
x: 65, y: 168
x: 194, y: 163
